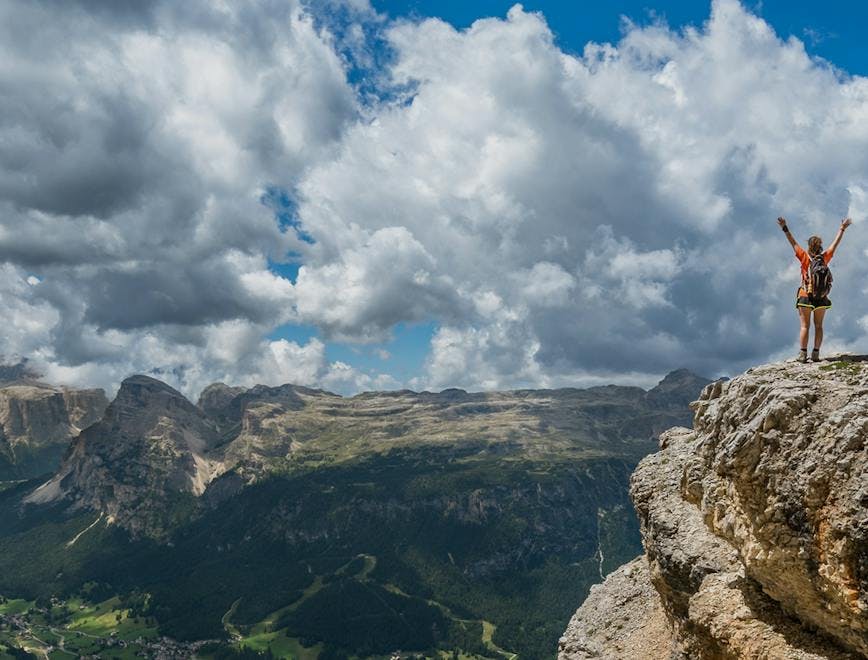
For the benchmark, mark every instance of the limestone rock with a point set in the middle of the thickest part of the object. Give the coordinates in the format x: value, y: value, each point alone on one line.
x: 621, y: 619
x: 142, y: 462
x: 754, y: 523
x: 715, y: 609
x: 38, y: 422
x: 781, y: 472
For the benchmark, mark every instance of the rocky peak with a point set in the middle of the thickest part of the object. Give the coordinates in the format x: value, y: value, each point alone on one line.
x: 150, y: 450
x: 677, y: 389
x: 216, y: 398
x: 227, y: 406
x: 38, y: 421
x: 145, y: 406
x: 153, y: 449
x: 146, y: 393
x: 755, y: 524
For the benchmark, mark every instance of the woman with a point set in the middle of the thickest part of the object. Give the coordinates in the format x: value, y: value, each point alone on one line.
x: 809, y: 302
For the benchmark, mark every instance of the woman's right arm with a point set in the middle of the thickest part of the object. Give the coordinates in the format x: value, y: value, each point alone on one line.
x: 783, y: 223
x: 846, y: 222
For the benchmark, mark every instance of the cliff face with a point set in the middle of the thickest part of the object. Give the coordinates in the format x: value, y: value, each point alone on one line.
x: 37, y: 423
x: 755, y: 526
x: 137, y: 465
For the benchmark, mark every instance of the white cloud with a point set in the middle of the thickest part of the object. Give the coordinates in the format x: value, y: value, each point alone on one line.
x: 231, y: 352
x: 27, y: 320
x: 386, y: 278
x: 546, y: 284
x: 610, y: 212
x: 561, y: 219
x: 138, y: 141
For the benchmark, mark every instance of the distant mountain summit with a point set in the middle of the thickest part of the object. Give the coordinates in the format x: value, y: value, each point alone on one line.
x: 38, y: 421
x: 150, y: 451
x: 677, y: 389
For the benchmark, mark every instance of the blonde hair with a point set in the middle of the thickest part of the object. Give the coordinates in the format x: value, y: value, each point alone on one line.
x: 815, y: 245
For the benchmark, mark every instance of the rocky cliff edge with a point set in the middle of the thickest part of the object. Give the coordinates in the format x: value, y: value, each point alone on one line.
x: 755, y: 528
x: 38, y: 421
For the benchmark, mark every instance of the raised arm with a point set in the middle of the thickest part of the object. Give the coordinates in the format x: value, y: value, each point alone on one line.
x: 846, y: 222
x: 783, y: 223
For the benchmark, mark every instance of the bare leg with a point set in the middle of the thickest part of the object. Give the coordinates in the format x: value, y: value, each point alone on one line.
x: 818, y: 328
x: 805, y: 319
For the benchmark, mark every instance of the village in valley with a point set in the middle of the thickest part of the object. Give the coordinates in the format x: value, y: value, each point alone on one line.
x: 75, y: 628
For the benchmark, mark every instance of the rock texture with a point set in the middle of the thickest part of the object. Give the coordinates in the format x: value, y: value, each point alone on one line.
x: 38, y: 421
x: 755, y: 523
x: 621, y: 618
x: 141, y: 462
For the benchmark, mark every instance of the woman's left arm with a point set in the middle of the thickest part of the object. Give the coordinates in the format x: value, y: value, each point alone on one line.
x: 846, y: 222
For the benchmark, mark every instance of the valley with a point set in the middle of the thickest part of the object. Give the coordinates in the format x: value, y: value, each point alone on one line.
x: 295, y: 523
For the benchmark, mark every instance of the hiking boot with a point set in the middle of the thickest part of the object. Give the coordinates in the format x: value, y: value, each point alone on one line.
x: 815, y: 355
x: 803, y: 356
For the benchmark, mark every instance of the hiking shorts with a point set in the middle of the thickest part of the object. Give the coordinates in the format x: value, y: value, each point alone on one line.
x: 811, y: 302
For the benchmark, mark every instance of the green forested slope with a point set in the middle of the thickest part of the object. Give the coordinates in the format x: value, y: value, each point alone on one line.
x: 480, y: 546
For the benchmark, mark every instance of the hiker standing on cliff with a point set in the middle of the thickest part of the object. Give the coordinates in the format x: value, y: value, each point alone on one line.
x: 812, y: 297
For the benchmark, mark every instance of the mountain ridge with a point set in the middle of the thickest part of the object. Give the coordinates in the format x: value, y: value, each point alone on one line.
x: 241, y: 429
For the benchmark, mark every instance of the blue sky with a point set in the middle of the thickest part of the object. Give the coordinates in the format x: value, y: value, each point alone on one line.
x: 833, y: 29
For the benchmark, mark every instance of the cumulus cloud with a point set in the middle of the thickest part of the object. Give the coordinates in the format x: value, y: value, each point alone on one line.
x: 562, y: 219
x: 368, y: 287
x: 139, y: 143
x: 608, y: 213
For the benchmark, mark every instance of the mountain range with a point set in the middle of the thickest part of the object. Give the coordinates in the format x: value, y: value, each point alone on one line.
x: 300, y: 523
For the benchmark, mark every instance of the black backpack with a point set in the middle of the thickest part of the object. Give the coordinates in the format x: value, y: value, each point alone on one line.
x: 819, y: 277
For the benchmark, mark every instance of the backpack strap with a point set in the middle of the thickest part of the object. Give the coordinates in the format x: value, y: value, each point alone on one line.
x: 809, y: 279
